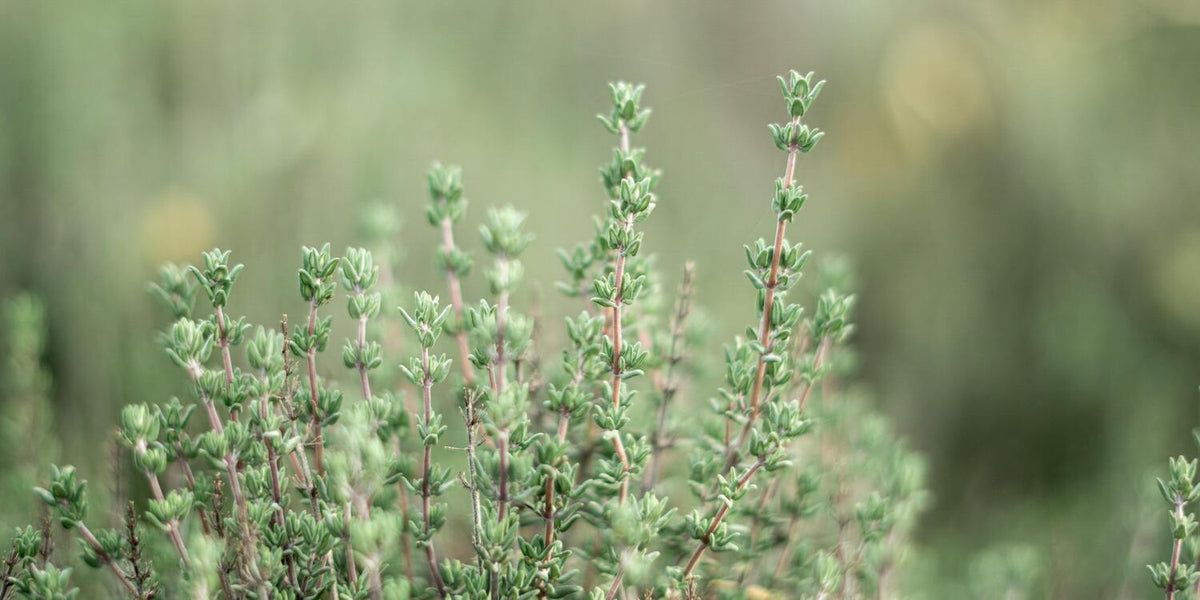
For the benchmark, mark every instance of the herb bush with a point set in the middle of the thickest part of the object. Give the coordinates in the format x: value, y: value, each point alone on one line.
x: 585, y: 473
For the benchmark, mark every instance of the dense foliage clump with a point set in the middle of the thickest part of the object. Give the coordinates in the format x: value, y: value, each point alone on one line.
x: 585, y: 469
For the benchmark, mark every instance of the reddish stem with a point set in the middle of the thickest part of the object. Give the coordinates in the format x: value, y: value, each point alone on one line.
x: 318, y: 436
x: 563, y: 423
x: 173, y: 524
x: 456, y: 302
x: 223, y: 341
x: 1175, y: 551
x: 501, y: 327
x: 426, y: 492
x: 105, y: 558
x: 764, y: 327
x: 362, y: 367
x: 616, y: 373
x: 720, y: 516
x: 191, y: 481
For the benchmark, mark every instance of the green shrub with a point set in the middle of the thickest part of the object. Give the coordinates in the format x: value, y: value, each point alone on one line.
x: 581, y: 479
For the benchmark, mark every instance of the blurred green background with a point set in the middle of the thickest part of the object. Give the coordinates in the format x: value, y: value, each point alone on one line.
x: 1017, y: 183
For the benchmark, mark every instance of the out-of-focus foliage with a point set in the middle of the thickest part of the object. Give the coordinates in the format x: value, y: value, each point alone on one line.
x: 26, y: 423
x: 1016, y: 181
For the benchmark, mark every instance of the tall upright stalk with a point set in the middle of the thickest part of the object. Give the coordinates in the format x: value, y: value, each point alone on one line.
x: 782, y: 262
x: 1179, y: 490
x: 502, y: 332
x: 317, y: 284
x: 426, y: 472
x: 427, y: 321
x: 446, y: 208
x: 630, y: 185
x: 754, y: 368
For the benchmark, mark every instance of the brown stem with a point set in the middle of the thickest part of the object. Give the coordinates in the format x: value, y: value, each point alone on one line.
x: 298, y: 456
x: 318, y: 437
x: 231, y: 469
x: 223, y: 577
x: 6, y: 579
x: 501, y: 327
x: 214, y: 419
x: 563, y: 423
x: 720, y: 516
x: 329, y: 567
x: 476, y: 510
x: 426, y: 492
x: 764, y: 327
x: 616, y: 584
x: 361, y: 366
x: 619, y: 268
x: 172, y: 525
x: 1175, y: 551
x: 235, y: 486
x: 548, y: 510
x: 497, y: 379
x: 616, y: 373
x: 246, y: 533
x: 614, y: 329
x: 191, y: 481
x: 456, y: 302
x: 272, y: 458
x: 273, y: 463
x: 105, y: 558
x: 230, y: 460
x: 223, y: 341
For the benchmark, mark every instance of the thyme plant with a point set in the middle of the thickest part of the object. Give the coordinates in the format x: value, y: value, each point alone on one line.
x: 1179, y: 576
x: 576, y: 464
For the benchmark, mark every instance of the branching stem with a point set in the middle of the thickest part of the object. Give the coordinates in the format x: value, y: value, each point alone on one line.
x: 105, y: 558
x: 172, y: 525
x: 743, y: 481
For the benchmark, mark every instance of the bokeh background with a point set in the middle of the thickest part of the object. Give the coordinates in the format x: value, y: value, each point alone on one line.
x: 1016, y: 181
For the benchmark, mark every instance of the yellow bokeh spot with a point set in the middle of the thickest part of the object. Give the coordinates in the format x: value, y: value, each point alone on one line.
x: 1173, y: 265
x: 934, y: 84
x: 176, y: 228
